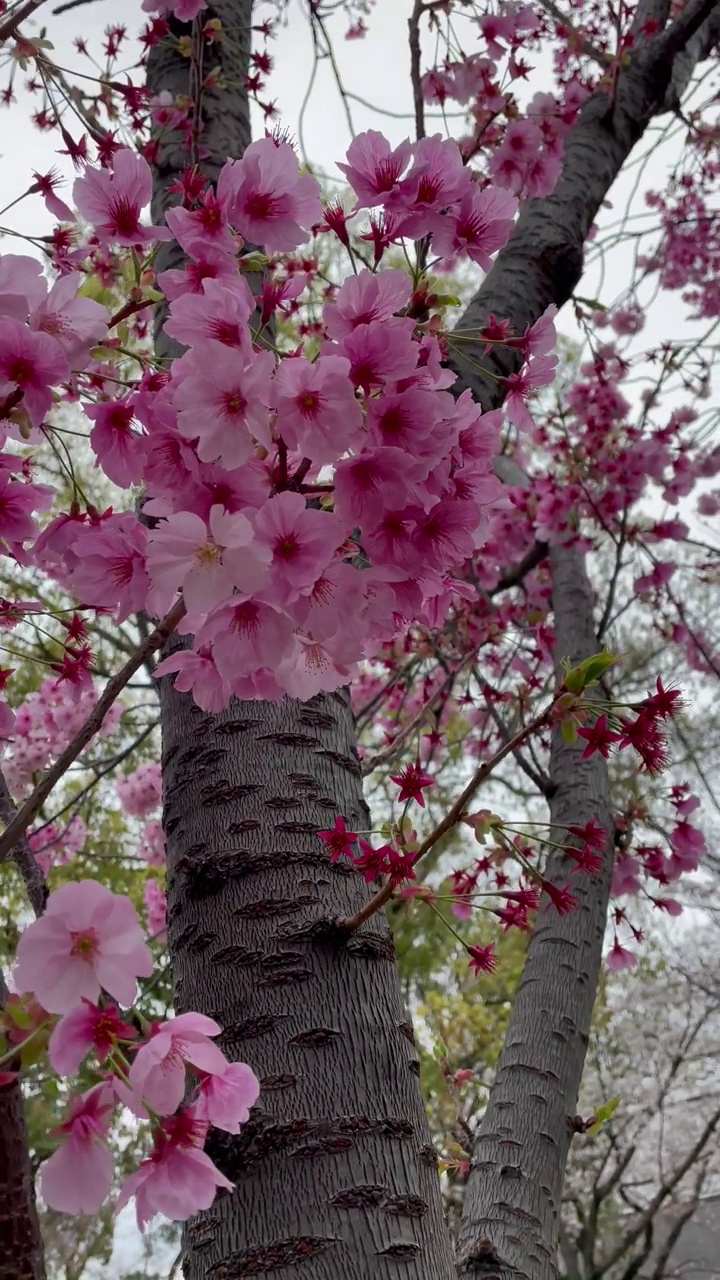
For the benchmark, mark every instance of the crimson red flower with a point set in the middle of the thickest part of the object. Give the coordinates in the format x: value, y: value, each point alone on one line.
x: 664, y: 703
x: 648, y: 739
x: 411, y: 781
x: 599, y: 737
x: 482, y: 959
x: 562, y: 898
x: 338, y: 839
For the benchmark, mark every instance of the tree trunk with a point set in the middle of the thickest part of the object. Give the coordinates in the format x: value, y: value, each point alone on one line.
x: 21, y: 1251
x: 335, y: 1171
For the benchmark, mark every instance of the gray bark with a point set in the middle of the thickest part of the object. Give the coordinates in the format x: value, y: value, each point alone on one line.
x: 21, y: 1251
x: 511, y: 1213
x: 335, y: 1172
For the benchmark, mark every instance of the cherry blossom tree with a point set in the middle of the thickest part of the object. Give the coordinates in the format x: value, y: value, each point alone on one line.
x: 352, y: 527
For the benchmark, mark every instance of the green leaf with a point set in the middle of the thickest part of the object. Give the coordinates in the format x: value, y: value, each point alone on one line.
x: 602, y: 1113
x: 589, y: 671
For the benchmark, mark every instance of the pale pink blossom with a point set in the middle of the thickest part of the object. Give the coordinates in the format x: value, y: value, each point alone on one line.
x: 77, y: 324
x: 225, y: 1100
x: 245, y: 635
x: 157, y: 1072
x: 207, y: 563
x: 316, y: 666
x: 87, y: 939
x: 198, y: 674
x: 178, y: 1179
x: 266, y: 197
x: 22, y: 285
x: 78, y: 1176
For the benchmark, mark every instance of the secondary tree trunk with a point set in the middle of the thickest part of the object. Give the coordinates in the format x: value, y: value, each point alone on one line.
x: 336, y: 1175
x: 21, y: 1251
x: 512, y: 1202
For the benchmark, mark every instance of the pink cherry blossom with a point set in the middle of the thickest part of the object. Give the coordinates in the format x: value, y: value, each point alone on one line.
x: 379, y: 352
x: 140, y: 792
x: 317, y: 413
x: 84, y: 1028
x: 220, y: 312
x: 479, y: 226
x: 106, y: 565
x: 223, y: 402
x: 318, y: 666
x: 197, y: 674
x: 17, y: 501
x: 157, y: 1072
x: 119, y: 449
x: 87, y: 939
x: 113, y: 202
x: 366, y: 297
x: 539, y: 371
x: 78, y: 1176
x: 245, y: 635
x: 302, y: 543
x: 437, y: 178
x: 374, y: 168
x: 267, y: 199
x: 155, y: 902
x: 225, y: 1100
x: 178, y: 1179
x: 30, y: 364
x: 618, y: 957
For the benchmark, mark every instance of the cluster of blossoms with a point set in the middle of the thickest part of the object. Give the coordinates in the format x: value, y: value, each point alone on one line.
x: 81, y: 960
x: 305, y: 508
x: 43, y: 726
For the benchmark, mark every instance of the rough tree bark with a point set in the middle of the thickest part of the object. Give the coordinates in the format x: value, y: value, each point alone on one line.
x: 512, y: 1203
x: 335, y: 1173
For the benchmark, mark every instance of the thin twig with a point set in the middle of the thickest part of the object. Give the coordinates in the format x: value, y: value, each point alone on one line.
x: 415, y: 76
x: 22, y: 854
x: 113, y: 688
